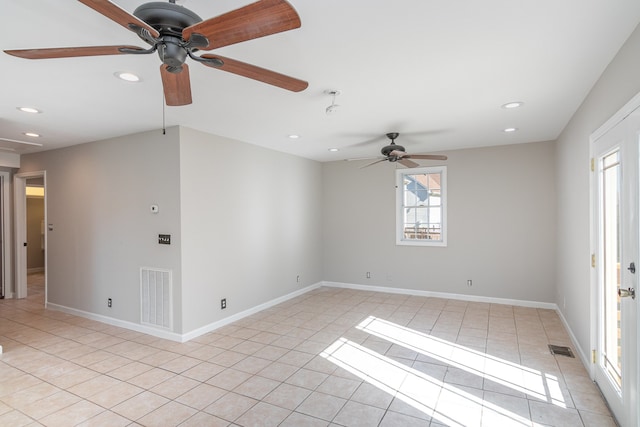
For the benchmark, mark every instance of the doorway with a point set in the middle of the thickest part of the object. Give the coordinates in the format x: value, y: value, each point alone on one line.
x: 35, y: 237
x: 616, y: 238
x: 30, y: 199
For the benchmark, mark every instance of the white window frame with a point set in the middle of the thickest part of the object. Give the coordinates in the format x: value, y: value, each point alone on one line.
x: 400, y: 174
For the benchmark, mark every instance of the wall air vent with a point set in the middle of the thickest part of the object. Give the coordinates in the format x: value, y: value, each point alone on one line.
x: 156, y: 297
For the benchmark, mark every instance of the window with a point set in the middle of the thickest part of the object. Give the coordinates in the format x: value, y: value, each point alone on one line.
x: 421, y: 206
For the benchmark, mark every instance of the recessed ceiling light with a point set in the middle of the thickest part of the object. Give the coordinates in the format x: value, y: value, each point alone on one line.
x: 333, y: 150
x: 509, y: 130
x: 32, y: 134
x: 294, y: 136
x: 29, y: 110
x: 510, y: 105
x: 126, y: 76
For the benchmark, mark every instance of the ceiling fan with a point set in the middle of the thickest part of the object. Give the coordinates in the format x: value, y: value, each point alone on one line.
x: 176, y: 33
x: 397, y: 153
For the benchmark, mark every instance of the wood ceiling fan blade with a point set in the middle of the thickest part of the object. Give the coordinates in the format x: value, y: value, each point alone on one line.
x: 259, y: 19
x: 364, y: 158
x: 69, y: 52
x: 371, y: 164
x: 256, y: 73
x: 427, y: 156
x: 118, y: 15
x: 408, y: 163
x: 177, y: 86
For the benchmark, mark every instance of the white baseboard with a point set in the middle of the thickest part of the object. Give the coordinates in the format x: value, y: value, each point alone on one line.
x: 462, y: 297
x: 227, y: 320
x: 583, y: 357
x: 168, y: 335
x: 173, y: 336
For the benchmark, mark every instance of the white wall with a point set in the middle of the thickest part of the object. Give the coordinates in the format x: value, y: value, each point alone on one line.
x: 501, y: 224
x: 98, y: 197
x: 617, y: 85
x: 251, y: 223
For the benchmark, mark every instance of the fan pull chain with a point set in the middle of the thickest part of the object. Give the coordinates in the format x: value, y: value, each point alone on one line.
x: 164, y: 101
x: 164, y: 128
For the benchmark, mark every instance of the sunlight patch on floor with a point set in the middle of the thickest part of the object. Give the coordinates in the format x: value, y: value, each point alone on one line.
x: 520, y: 378
x: 444, y: 402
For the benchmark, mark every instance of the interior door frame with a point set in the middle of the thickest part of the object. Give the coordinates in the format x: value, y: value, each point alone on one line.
x: 20, y: 222
x: 6, y: 235
x: 617, y: 118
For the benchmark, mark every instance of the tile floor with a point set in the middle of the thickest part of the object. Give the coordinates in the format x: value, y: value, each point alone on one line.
x: 332, y: 357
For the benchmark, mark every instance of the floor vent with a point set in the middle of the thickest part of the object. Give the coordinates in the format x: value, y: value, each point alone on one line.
x: 156, y: 297
x: 560, y: 350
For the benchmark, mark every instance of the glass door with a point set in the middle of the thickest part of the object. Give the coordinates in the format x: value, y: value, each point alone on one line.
x: 617, y: 187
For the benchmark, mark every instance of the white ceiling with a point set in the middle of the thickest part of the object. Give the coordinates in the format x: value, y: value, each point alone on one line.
x: 435, y: 71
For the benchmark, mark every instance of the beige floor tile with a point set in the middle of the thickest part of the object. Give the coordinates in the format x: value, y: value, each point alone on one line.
x: 258, y: 370
x: 15, y: 419
x: 230, y: 406
x: 174, y: 387
x: 307, y: 378
x: 278, y: 371
x: 287, y: 396
x: 72, y: 415
x: 371, y: 395
x: 357, y: 414
x: 297, y: 419
x: 252, y: 365
x: 592, y: 419
x: 320, y: 405
x: 548, y: 414
x: 229, y: 379
x: 395, y: 419
x: 151, y: 378
x: 18, y: 383
x: 28, y: 395
x: 50, y: 404
x: 109, y: 364
x: 180, y: 364
x: 202, y: 419
x: 171, y: 414
x: 263, y: 414
x: 201, y: 396
x: 114, y: 395
x: 93, y: 386
x: 256, y: 387
x: 140, y: 405
x: 129, y: 371
x: 340, y: 387
x: 106, y: 419
x: 203, y: 371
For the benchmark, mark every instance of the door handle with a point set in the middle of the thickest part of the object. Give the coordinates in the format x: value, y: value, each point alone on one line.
x: 624, y: 293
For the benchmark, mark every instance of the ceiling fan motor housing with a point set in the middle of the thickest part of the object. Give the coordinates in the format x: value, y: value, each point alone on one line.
x: 169, y: 19
x: 386, y: 151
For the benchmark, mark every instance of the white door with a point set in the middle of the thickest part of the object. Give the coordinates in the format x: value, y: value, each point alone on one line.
x: 616, y: 157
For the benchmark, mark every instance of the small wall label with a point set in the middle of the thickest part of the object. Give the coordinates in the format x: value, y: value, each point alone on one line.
x: 164, y: 239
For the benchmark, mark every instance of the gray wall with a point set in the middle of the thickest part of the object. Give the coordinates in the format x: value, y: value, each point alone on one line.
x: 501, y: 224
x: 98, y: 197
x: 245, y: 223
x: 619, y: 83
x: 251, y: 223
